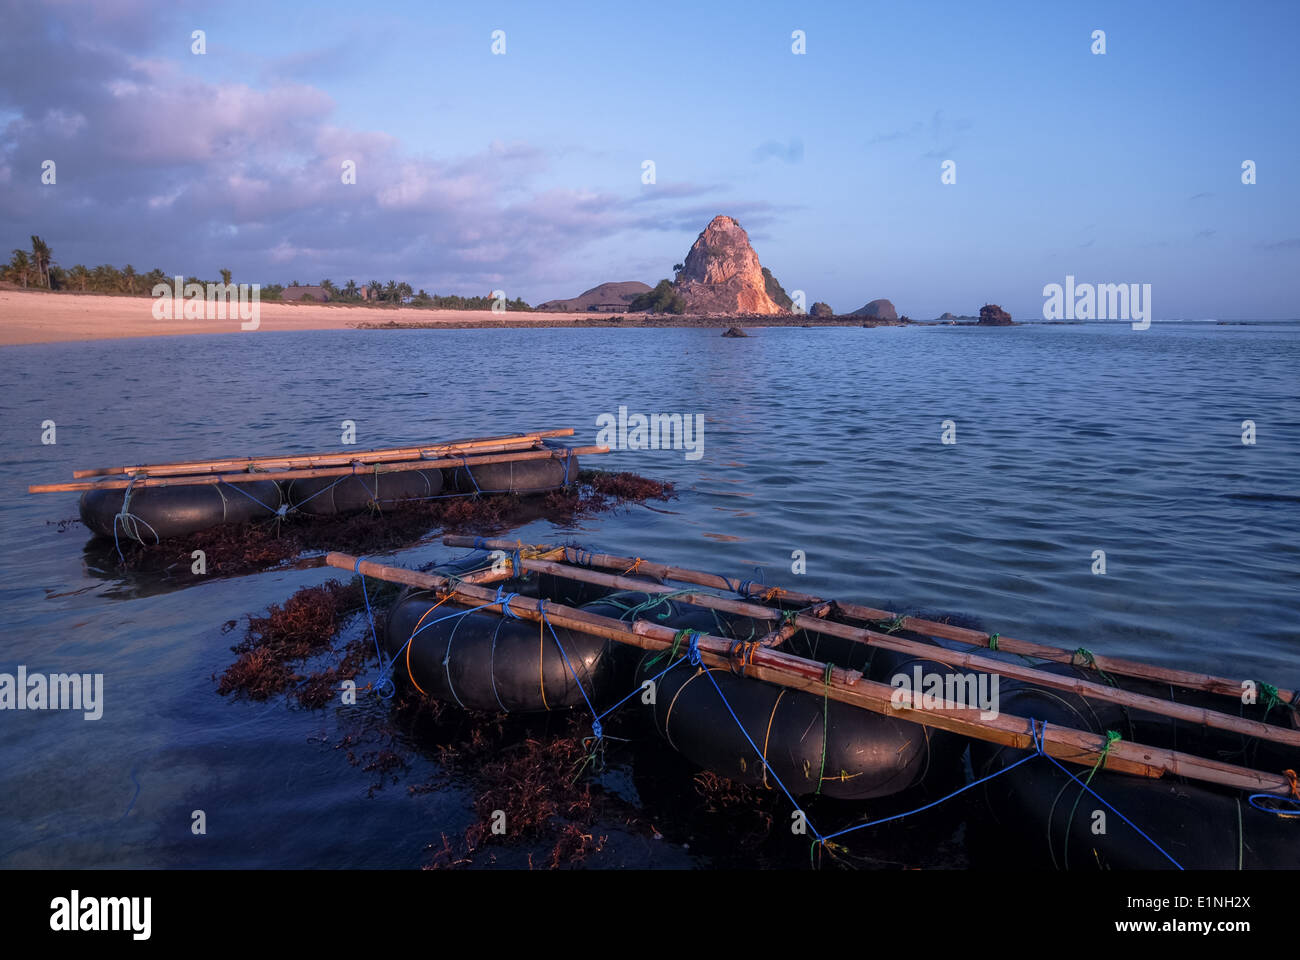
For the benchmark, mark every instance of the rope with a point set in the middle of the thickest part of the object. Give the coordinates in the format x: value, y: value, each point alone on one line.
x: 1111, y: 737
x: 1272, y: 699
x: 1038, y: 733
x: 464, y: 460
x: 130, y: 522
x: 993, y: 640
x: 692, y: 655
x: 1086, y: 655
x: 504, y: 599
x: 826, y: 724
x: 670, y: 652
x: 1280, y: 811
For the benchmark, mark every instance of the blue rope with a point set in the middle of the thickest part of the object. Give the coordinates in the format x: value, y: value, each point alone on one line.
x: 578, y: 555
x: 695, y: 640
x: 654, y: 679
x: 1038, y: 747
x: 1276, y: 811
x: 504, y: 599
x: 386, y: 681
x: 694, y: 657
x: 900, y: 816
x: 541, y: 608
x: 464, y: 460
x: 743, y: 589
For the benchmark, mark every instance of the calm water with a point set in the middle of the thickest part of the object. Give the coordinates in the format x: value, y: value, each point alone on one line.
x: 1070, y: 440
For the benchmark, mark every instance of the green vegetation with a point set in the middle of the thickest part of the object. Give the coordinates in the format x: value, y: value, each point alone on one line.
x: 662, y: 299
x: 36, y: 269
x: 774, y: 290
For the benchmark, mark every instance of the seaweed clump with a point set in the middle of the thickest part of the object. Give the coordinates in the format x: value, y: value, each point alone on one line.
x: 303, y: 627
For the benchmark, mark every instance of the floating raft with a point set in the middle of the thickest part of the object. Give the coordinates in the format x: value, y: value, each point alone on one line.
x: 780, y: 688
x: 151, y: 502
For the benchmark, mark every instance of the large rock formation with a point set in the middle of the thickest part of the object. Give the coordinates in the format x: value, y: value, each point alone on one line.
x: 877, y: 310
x: 991, y: 315
x: 722, y: 273
x: 608, y: 297
x: 820, y: 309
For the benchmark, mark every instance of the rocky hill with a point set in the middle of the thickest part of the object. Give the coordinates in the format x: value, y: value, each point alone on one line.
x: 608, y: 297
x: 878, y: 310
x: 722, y: 274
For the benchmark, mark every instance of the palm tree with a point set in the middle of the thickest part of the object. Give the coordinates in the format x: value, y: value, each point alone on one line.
x: 376, y: 289
x: 20, y: 266
x: 79, y: 276
x: 391, y: 292
x: 225, y: 277
x: 350, y: 290
x: 129, y: 277
x: 328, y: 286
x: 104, y: 278
x: 41, y: 259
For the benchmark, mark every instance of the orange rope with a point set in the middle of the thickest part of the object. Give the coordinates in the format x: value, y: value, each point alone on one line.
x: 768, y: 736
x: 636, y: 565
x: 1291, y: 779
x: 411, y: 640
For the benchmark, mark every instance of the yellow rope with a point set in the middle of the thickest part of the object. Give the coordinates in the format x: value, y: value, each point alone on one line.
x: 541, y: 675
x: 768, y: 736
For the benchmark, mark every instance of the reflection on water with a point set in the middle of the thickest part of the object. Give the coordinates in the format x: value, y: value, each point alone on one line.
x: 826, y: 441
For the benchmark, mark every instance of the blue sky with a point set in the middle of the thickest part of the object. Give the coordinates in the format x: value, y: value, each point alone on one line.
x: 523, y: 171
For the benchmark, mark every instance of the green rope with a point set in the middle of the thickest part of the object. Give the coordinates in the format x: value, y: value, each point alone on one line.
x: 632, y: 611
x: 1086, y: 655
x: 1111, y: 737
x: 1241, y: 838
x: 670, y: 652
x: 1272, y: 699
x: 993, y: 640
x: 826, y: 724
x: 889, y: 626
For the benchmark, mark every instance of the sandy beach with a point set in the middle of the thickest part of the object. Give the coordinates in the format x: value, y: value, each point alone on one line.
x: 35, y: 316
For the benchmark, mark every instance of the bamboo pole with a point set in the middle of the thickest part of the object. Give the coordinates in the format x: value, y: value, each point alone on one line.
x: 844, y: 686
x: 332, y: 458
x: 1130, y: 668
x: 209, y: 479
x: 813, y: 622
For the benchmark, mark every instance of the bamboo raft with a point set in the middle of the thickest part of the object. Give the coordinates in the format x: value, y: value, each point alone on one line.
x: 157, y: 501
x: 788, y: 612
x: 458, y: 453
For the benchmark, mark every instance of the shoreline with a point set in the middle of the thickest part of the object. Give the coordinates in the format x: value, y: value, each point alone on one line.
x: 29, y: 317
x: 41, y: 316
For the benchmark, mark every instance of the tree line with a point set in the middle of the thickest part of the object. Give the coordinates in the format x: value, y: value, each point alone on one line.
x: 37, y: 269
